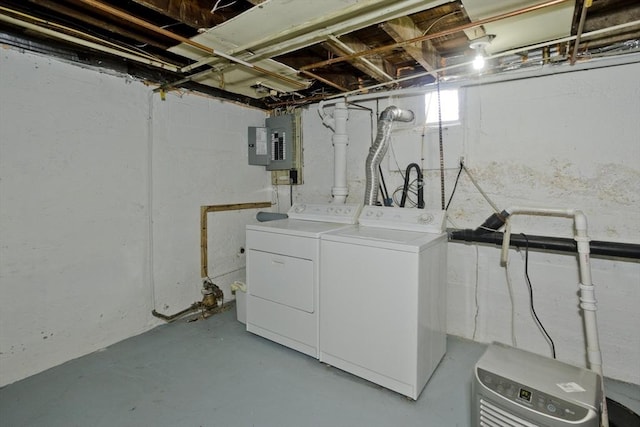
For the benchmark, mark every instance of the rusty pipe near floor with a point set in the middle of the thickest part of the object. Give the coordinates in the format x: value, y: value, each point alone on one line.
x: 434, y: 35
x: 171, y: 317
x: 159, y: 30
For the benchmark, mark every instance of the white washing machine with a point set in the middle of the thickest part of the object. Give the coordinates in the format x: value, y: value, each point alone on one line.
x: 383, y: 297
x: 283, y: 266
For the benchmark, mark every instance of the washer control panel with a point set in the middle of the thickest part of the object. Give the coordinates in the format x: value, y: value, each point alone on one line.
x: 427, y: 221
x: 326, y: 212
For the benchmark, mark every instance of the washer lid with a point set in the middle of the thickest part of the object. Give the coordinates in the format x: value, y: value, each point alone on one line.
x: 296, y: 227
x: 402, y: 240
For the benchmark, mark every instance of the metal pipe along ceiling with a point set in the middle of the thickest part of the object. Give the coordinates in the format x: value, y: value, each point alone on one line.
x: 434, y: 35
x: 86, y: 43
x: 120, y: 14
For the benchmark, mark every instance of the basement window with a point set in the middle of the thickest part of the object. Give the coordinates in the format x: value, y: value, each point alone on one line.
x: 449, y: 107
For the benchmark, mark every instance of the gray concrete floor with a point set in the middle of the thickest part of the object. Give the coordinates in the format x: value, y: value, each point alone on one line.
x: 214, y: 373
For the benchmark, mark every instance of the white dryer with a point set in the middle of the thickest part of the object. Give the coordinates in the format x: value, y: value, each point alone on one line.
x: 382, y: 297
x: 283, y: 265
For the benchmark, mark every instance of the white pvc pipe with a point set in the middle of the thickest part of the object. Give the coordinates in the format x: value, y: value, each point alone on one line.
x: 338, y: 123
x: 587, y: 290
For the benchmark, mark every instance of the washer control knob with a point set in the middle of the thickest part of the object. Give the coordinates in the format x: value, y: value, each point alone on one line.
x: 425, y: 218
x: 379, y: 214
x: 369, y: 213
x: 300, y: 208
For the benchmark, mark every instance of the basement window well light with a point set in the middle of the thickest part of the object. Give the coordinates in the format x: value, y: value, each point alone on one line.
x: 449, y: 107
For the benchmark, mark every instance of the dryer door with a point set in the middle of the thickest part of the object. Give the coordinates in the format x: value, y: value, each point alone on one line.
x: 281, y: 278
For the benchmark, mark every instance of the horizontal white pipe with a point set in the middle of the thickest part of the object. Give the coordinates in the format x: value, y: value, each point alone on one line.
x: 87, y: 43
x: 514, y: 210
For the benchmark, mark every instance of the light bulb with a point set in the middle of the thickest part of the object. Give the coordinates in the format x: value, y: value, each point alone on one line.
x: 478, y: 62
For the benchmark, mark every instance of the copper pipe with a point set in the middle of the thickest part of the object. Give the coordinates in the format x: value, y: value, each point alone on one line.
x: 434, y: 35
x: 323, y: 80
x: 50, y: 4
x: 204, y: 210
x: 134, y: 20
x: 576, y: 44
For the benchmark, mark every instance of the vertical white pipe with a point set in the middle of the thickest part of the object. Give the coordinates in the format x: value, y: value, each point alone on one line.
x: 587, y: 290
x: 340, y: 140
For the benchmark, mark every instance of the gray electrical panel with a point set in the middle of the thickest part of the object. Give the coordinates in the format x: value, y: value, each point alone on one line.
x: 280, y: 135
x: 278, y: 146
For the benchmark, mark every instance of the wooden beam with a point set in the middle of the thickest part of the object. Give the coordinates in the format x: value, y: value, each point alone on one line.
x: 194, y: 13
x: 100, y: 23
x: 375, y: 67
x: 402, y: 29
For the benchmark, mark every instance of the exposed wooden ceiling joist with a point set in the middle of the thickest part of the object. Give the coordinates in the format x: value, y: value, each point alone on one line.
x: 110, y: 27
x: 341, y: 44
x: 375, y: 67
x: 402, y: 29
x: 195, y: 13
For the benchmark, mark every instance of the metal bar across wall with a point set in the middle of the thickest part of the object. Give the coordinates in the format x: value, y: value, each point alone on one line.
x: 204, y: 210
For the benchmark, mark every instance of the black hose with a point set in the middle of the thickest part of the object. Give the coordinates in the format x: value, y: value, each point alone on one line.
x: 405, y: 188
x: 548, y: 243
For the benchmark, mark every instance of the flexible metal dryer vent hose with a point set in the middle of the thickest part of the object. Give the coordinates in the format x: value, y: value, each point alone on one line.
x: 379, y: 149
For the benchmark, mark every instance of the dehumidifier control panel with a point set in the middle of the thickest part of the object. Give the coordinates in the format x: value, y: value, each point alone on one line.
x: 531, y: 398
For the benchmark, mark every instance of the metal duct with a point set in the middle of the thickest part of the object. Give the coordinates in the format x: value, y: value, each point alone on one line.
x: 379, y: 149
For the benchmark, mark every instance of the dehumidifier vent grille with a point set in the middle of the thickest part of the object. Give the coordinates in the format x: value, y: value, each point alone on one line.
x: 492, y: 416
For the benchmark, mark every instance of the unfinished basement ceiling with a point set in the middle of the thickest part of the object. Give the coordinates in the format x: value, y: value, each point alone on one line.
x: 277, y: 53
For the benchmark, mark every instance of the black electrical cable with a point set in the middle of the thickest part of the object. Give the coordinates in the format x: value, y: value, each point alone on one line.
x: 291, y: 192
x: 441, y: 147
x: 383, y: 188
x: 455, y: 185
x: 533, y: 310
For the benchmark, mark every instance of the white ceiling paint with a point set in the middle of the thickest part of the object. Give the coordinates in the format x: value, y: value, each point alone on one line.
x: 533, y: 27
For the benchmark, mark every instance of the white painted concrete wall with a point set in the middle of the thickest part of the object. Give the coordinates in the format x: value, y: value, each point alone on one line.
x: 567, y: 140
x: 75, y: 150
x: 76, y: 147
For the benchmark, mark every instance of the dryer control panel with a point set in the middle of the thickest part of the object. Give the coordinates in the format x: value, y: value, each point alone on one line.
x: 427, y: 221
x: 343, y: 214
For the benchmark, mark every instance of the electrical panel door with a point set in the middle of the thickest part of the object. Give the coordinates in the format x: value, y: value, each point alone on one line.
x: 258, y: 146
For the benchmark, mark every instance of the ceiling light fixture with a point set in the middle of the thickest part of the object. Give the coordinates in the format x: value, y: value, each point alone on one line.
x: 480, y: 45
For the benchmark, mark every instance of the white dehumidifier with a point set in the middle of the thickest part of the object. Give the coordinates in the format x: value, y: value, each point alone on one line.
x: 513, y: 387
